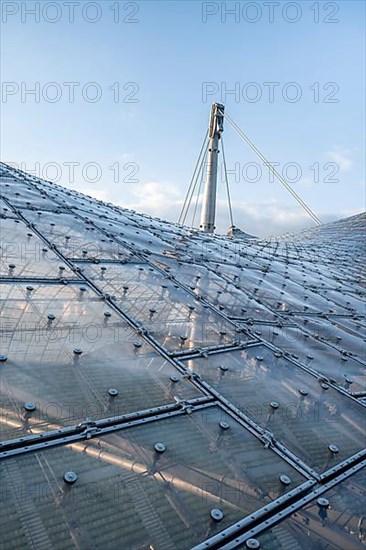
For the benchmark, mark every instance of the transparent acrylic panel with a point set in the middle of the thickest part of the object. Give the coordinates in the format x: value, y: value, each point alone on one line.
x: 270, y: 390
x: 320, y: 349
x: 24, y: 195
x: 208, y: 284
x: 76, y: 238
x: 170, y: 314
x: 68, y: 387
x: 340, y: 526
x: 141, y: 236
x: 344, y: 332
x: 128, y: 495
x: 24, y: 254
x: 356, y: 324
x: 74, y: 201
x: 5, y: 210
x: 345, y: 298
x: 291, y: 292
x: 274, y: 290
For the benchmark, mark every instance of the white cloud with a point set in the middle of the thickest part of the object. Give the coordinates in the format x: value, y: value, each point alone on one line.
x: 342, y: 157
x: 157, y: 199
x: 165, y: 200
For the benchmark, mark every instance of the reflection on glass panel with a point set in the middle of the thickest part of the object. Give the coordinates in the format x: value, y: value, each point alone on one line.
x: 65, y: 350
x: 5, y: 211
x: 319, y: 348
x: 140, y: 236
x: 157, y: 496
x: 340, y: 523
x: 302, y: 412
x: 67, y: 355
x: 170, y: 314
x: 23, y: 195
x: 227, y: 297
x: 24, y: 254
x: 76, y: 238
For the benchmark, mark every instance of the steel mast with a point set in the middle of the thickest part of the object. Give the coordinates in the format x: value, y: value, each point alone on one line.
x: 209, y: 198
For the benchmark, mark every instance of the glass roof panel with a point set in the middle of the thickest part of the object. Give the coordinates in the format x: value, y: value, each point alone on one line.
x: 151, y: 313
x: 270, y: 390
x: 170, y: 314
x: 24, y: 254
x: 23, y: 195
x: 326, y: 356
x: 139, y: 235
x: 341, y: 525
x: 154, y: 499
x: 76, y: 238
x: 5, y: 210
x: 43, y: 368
x: 208, y: 284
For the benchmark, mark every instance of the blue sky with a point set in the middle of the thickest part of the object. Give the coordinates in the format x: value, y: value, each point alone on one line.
x: 154, y: 129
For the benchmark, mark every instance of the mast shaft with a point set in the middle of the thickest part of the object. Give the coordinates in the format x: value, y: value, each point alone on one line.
x: 209, y: 199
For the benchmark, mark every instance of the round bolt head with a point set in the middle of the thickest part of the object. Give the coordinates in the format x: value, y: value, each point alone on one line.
x: 252, y: 543
x: 216, y: 514
x: 51, y: 317
x: 78, y: 351
x: 70, y: 477
x: 324, y: 386
x: 259, y: 357
x: 11, y: 266
x: 3, y: 358
x: 113, y: 392
x: 322, y: 502
x: 30, y: 407
x: 137, y: 344
x: 274, y: 405
x: 174, y: 378
x: 29, y: 288
x: 302, y: 391
x: 159, y: 447
x: 333, y: 449
x: 107, y: 314
x: 224, y: 425
x: 286, y: 480
x: 223, y: 368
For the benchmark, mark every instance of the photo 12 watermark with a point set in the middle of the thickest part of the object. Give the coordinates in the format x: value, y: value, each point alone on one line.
x: 72, y: 171
x: 69, y: 92
x: 70, y: 12
x: 270, y: 92
x: 292, y: 172
x: 270, y: 12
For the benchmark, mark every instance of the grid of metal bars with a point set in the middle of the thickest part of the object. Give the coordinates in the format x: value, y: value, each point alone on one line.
x: 219, y: 383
